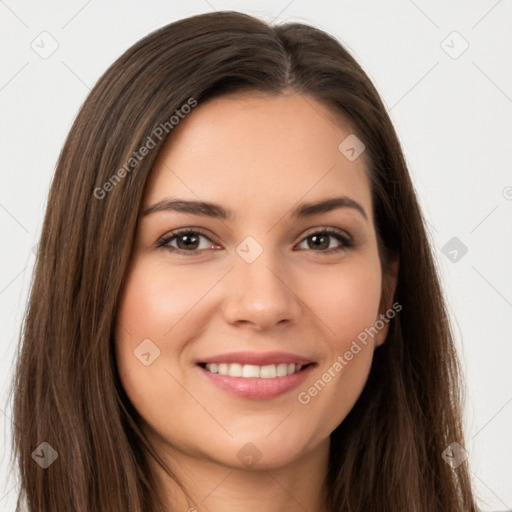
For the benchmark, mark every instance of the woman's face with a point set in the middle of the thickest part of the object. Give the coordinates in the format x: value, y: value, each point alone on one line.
x: 279, y: 297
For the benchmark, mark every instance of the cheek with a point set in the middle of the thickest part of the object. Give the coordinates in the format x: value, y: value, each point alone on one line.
x: 166, y: 306
x: 347, y: 303
x: 158, y: 304
x: 158, y: 301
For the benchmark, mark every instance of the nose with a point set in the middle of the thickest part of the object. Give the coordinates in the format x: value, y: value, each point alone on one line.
x: 260, y: 294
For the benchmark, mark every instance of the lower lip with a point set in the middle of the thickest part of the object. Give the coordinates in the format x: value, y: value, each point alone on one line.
x: 258, y: 388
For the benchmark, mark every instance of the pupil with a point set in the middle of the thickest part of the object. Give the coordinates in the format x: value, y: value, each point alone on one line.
x: 189, y: 241
x: 325, y: 239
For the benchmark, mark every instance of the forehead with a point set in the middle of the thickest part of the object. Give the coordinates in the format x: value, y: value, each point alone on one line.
x: 258, y: 153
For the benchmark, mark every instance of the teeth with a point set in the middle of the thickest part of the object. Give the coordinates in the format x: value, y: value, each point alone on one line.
x: 252, y: 371
x: 235, y: 370
x: 268, y: 372
x: 282, y: 370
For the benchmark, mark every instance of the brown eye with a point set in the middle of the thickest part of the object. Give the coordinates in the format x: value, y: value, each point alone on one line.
x: 187, y: 242
x: 320, y: 241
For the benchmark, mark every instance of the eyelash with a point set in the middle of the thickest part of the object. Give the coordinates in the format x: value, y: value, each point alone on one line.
x: 344, y: 239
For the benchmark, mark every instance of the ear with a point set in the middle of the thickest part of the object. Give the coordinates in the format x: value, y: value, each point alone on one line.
x: 389, y: 282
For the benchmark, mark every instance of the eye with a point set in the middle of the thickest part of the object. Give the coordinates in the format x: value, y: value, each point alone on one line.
x: 188, y: 241
x: 320, y: 241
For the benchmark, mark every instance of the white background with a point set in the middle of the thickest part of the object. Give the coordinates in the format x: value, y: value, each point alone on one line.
x: 453, y: 117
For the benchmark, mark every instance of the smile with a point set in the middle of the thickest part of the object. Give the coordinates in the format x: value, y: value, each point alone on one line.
x: 256, y: 376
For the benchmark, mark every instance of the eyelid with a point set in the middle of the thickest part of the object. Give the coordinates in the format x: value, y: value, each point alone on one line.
x: 182, y: 231
x: 328, y: 229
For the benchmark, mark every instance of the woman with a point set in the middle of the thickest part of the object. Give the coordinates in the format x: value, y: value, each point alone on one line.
x: 235, y: 302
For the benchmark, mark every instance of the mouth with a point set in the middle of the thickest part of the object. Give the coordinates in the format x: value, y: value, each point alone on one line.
x: 256, y: 376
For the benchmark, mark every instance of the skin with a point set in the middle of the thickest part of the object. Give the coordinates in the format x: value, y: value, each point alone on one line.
x: 259, y: 156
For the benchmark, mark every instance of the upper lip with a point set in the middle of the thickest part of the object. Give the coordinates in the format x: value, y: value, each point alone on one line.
x: 257, y: 358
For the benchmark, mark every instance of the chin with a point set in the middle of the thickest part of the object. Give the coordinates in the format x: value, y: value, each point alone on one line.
x: 257, y: 452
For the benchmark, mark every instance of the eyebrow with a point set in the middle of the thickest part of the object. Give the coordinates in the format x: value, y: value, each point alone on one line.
x: 216, y: 211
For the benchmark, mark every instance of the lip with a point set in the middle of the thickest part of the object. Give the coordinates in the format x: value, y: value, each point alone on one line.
x: 257, y: 358
x: 257, y: 388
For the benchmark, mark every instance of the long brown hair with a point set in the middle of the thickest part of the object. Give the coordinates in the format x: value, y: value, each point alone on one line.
x: 387, y: 454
